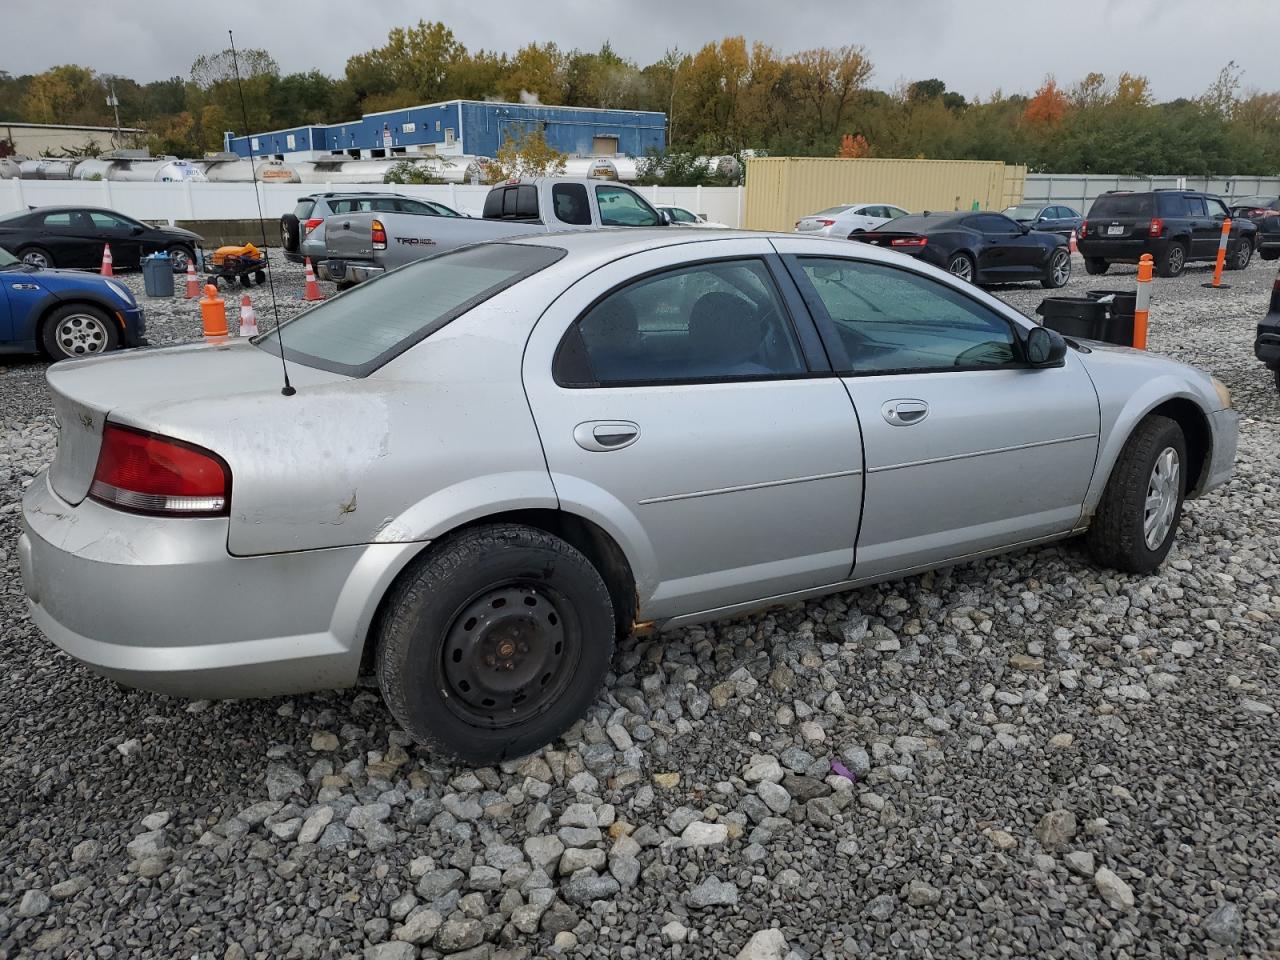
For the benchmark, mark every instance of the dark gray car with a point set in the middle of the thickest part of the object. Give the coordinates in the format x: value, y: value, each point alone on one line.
x: 1054, y: 218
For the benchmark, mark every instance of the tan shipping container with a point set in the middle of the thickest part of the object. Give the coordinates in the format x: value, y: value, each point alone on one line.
x: 781, y: 190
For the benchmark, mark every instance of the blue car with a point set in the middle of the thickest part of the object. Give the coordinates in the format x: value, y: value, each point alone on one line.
x: 64, y: 313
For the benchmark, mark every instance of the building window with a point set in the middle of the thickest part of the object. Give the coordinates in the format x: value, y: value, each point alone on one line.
x: 253, y: 143
x: 437, y: 126
x: 409, y: 128
x: 291, y: 142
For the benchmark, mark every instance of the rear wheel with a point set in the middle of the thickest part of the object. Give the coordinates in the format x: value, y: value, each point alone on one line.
x: 495, y: 643
x: 37, y: 257
x: 1270, y: 254
x: 78, y: 330
x: 1239, y: 258
x: 290, y: 232
x: 1173, y: 261
x: 961, y: 265
x: 1059, y: 270
x: 1096, y: 266
x: 1138, y: 515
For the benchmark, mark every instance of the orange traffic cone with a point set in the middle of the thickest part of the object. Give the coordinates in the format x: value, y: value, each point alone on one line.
x: 248, y: 319
x: 313, y: 288
x: 1072, y: 242
x: 193, y: 285
x: 106, y: 261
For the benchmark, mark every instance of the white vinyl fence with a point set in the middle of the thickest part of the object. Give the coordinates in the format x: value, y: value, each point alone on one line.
x: 235, y: 201
x: 1079, y: 191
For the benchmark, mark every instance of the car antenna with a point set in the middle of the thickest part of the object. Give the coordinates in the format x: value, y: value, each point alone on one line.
x: 288, y: 389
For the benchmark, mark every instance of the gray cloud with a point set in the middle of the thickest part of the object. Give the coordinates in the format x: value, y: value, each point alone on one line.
x: 974, y: 45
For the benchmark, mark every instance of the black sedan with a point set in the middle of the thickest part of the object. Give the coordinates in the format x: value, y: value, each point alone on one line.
x: 1265, y: 212
x: 981, y: 247
x: 1054, y: 218
x: 50, y: 237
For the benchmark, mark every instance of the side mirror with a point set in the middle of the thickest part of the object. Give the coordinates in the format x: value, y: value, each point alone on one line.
x: 664, y: 218
x: 137, y: 231
x: 1045, y: 347
x: 1024, y: 228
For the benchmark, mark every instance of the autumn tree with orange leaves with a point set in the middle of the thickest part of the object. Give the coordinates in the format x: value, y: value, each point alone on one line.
x: 1048, y: 108
x: 852, y: 148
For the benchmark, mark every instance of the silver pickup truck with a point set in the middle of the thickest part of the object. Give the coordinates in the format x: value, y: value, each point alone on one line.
x: 364, y: 245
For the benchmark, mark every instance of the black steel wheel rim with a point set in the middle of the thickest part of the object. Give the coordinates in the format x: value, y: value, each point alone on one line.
x: 1175, y: 259
x: 508, y: 654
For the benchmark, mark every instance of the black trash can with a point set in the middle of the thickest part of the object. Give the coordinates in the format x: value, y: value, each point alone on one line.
x: 1122, y: 304
x: 1076, y: 317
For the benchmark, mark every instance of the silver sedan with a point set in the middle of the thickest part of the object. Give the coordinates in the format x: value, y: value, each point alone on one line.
x: 493, y: 463
x: 844, y: 220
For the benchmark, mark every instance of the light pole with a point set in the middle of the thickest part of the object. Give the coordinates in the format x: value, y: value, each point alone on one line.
x: 114, y: 102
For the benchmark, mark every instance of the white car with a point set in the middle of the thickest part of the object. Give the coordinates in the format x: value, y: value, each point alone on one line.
x: 680, y: 217
x: 848, y: 218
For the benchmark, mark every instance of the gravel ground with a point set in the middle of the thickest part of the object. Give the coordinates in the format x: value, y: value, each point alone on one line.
x: 1044, y: 760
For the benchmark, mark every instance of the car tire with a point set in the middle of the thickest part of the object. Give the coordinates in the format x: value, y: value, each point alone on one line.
x: 1269, y: 254
x: 341, y: 285
x: 181, y: 254
x: 78, y: 330
x: 290, y: 232
x: 1238, y: 259
x: 493, y: 592
x: 1137, y: 518
x: 1096, y: 266
x: 1173, y: 261
x: 37, y: 257
x: 961, y: 266
x: 1058, y: 272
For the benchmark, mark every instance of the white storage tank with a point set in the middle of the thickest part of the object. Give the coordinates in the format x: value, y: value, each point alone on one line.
x: 137, y: 169
x: 10, y: 168
x: 229, y: 168
x: 46, y: 168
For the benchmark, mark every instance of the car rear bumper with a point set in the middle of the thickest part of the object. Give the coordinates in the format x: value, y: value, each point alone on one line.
x: 347, y: 271
x: 160, y: 604
x: 1125, y: 250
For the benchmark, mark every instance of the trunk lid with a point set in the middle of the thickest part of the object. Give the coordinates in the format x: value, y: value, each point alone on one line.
x: 811, y: 224
x: 1121, y: 217
x: 139, y: 388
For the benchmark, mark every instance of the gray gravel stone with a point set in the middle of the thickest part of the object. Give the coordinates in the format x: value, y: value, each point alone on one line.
x: 712, y: 892
x: 1224, y: 925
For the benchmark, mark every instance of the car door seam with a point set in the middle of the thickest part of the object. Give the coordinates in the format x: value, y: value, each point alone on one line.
x: 982, y: 453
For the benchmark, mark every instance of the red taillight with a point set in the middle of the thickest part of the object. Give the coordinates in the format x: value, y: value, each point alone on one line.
x: 1157, y: 227
x: 379, y: 236
x: 1084, y: 228
x: 311, y: 224
x: 909, y: 242
x: 147, y: 473
x: 826, y: 223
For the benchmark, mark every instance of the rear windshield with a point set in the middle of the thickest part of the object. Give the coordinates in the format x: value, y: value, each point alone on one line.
x: 834, y: 211
x: 303, y: 210
x: 1271, y: 203
x: 358, y: 332
x: 1024, y: 212
x: 1122, y: 205
x: 917, y: 223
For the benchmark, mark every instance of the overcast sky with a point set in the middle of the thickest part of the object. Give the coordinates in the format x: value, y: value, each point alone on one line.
x: 974, y: 45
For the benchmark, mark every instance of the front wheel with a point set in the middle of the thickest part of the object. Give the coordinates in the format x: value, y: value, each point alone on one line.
x: 78, y: 330
x: 961, y: 266
x: 1138, y: 515
x: 1096, y: 266
x: 495, y: 643
x: 1059, y: 270
x: 180, y: 255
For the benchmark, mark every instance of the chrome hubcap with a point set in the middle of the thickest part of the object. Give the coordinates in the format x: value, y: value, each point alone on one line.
x: 179, y: 259
x: 35, y: 260
x: 960, y: 268
x: 81, y: 334
x: 1061, y: 268
x: 1162, y: 498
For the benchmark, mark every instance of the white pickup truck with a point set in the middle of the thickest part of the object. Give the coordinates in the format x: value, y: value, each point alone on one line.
x: 363, y: 245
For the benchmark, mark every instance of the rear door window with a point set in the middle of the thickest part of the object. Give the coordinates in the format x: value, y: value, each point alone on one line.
x: 571, y: 203
x: 357, y: 334
x: 710, y: 321
x: 1122, y: 205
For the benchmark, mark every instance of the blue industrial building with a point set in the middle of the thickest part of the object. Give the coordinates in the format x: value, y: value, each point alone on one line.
x: 462, y: 128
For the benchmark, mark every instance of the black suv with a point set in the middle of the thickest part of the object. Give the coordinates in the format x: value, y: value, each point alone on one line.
x: 1174, y: 226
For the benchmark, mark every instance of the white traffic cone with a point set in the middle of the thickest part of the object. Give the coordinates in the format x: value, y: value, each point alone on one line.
x: 248, y: 319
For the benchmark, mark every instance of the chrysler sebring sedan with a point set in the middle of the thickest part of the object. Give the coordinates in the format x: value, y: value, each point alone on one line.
x: 493, y: 463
